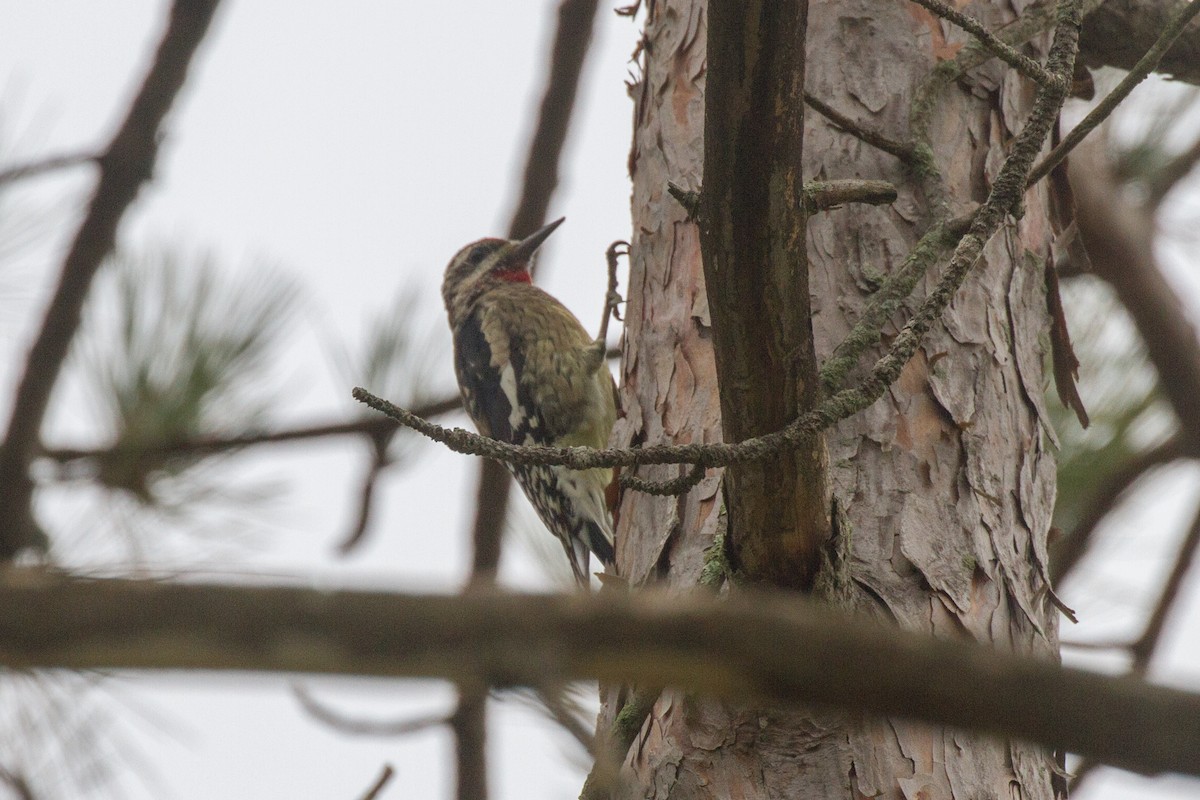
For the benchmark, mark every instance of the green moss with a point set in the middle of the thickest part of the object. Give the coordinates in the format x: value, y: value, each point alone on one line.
x: 716, y: 569
x: 833, y: 582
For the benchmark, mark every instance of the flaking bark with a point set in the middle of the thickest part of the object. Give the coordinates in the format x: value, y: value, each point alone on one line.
x: 948, y: 481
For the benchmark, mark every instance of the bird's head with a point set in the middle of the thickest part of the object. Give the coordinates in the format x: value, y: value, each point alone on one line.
x: 480, y: 263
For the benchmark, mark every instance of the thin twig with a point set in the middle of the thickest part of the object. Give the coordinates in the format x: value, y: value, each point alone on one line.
x: 1066, y: 554
x: 1105, y: 107
x: 32, y: 169
x: 1144, y: 648
x: 900, y: 150
x: 380, y: 461
x: 689, y: 200
x: 360, y: 727
x: 667, y: 488
x: 1170, y: 174
x: 125, y: 166
x: 1018, y: 61
x: 372, y: 428
x: 552, y: 701
x: 377, y: 787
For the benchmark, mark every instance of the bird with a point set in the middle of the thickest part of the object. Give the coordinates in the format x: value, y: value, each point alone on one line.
x: 530, y: 374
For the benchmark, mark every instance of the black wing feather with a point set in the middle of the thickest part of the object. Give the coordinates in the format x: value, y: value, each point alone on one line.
x: 479, y: 381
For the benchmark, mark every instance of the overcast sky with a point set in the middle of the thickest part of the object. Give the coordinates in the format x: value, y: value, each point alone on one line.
x: 356, y: 145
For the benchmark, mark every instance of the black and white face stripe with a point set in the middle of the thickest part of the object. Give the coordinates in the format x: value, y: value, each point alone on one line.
x: 478, y: 252
x: 465, y: 269
x: 473, y: 259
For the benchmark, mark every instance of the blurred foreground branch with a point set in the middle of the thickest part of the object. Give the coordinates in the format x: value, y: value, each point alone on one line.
x: 759, y: 648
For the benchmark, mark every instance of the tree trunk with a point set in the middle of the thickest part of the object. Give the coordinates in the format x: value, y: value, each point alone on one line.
x: 948, y: 482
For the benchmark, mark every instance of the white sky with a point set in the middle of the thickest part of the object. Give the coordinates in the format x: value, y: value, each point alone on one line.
x: 358, y: 145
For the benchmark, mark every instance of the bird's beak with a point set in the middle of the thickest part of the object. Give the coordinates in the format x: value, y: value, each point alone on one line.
x: 529, y: 245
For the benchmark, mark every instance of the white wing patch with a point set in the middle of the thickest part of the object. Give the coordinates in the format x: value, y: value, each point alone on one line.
x: 508, y: 385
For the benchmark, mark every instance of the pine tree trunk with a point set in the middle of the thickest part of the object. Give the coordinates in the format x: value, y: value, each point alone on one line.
x: 947, y: 481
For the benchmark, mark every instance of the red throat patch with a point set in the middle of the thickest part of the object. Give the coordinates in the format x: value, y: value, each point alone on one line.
x: 514, y: 275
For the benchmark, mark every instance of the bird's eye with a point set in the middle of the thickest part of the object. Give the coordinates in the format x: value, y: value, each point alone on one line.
x: 481, y: 251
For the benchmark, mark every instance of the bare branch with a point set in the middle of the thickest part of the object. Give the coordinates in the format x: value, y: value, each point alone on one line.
x: 752, y: 245
x: 689, y: 200
x: 900, y: 150
x: 1119, y: 236
x: 1066, y: 554
x: 750, y: 647
x: 1171, y: 173
x: 366, y: 495
x: 1105, y: 107
x: 470, y: 739
x: 32, y: 169
x: 380, y: 782
x: 1144, y: 648
x: 825, y: 195
x: 359, y: 727
x: 203, y: 445
x: 1117, y: 32
x: 124, y: 167
x: 572, y: 40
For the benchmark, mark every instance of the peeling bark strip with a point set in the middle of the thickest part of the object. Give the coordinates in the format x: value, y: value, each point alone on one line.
x: 753, y: 238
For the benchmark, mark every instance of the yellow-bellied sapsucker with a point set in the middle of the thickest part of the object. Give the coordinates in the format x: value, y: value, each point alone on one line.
x: 530, y: 374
